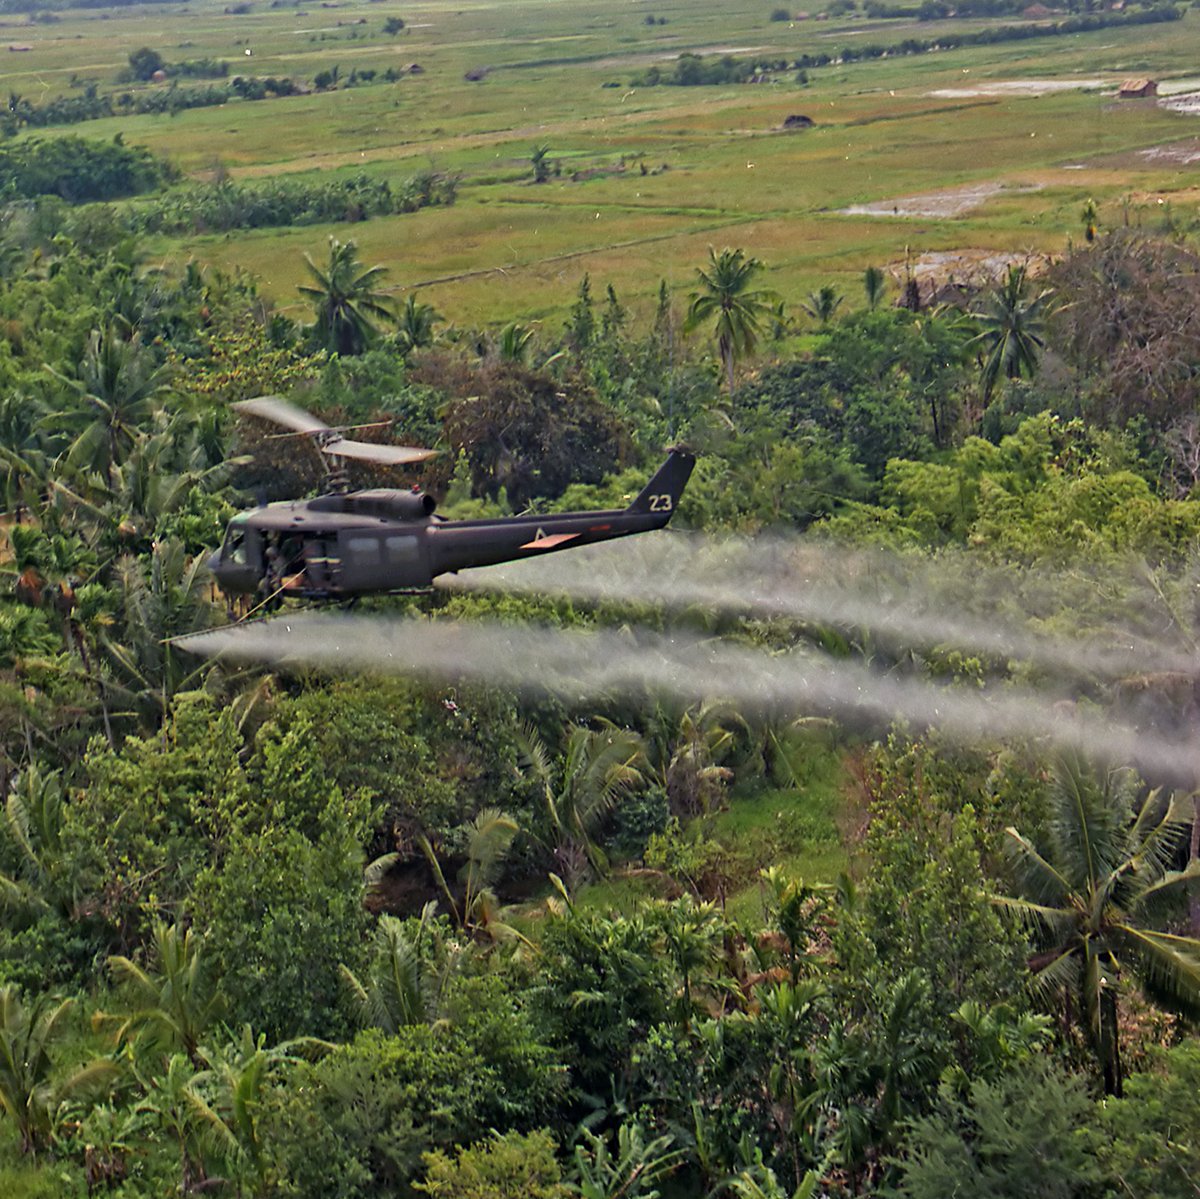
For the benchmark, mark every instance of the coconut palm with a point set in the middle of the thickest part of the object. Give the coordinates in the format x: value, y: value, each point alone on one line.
x: 346, y: 299
x: 489, y: 838
x: 599, y: 767
x: 875, y: 285
x: 414, y: 330
x: 1011, y: 326
x: 30, y: 1094
x: 119, y: 386
x: 408, y: 973
x: 33, y: 825
x: 1092, y: 894
x: 822, y: 304
x: 726, y: 295
x: 168, y: 602
x: 515, y: 342
x: 174, y: 999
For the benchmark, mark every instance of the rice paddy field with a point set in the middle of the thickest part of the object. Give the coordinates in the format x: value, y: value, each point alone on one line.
x: 947, y: 161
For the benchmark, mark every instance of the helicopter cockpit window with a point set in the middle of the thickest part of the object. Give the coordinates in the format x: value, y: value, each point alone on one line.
x: 235, y: 547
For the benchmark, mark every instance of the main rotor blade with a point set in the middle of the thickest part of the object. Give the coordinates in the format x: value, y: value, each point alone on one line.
x: 273, y: 408
x: 391, y: 455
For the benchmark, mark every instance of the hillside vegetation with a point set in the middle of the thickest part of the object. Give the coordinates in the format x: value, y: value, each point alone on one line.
x: 854, y: 850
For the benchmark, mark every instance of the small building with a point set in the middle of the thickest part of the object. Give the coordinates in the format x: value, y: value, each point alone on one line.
x: 1137, y: 89
x: 798, y: 121
x: 18, y: 48
x: 1036, y: 12
x: 413, y: 68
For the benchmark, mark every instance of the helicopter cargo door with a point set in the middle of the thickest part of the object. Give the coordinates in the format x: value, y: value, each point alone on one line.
x: 383, y: 560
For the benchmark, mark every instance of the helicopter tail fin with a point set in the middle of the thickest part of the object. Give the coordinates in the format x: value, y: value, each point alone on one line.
x: 661, y: 494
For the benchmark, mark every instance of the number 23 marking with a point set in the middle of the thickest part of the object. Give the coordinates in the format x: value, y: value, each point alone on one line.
x: 660, y: 503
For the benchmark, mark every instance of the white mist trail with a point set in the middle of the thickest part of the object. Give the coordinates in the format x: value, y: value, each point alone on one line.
x: 1120, y: 622
x: 587, y: 665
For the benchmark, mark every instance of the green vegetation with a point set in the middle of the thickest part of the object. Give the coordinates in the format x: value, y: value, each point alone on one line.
x: 278, y: 931
x: 273, y: 934
x: 78, y: 170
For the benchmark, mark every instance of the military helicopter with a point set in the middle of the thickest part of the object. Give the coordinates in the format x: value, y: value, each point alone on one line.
x: 344, y: 544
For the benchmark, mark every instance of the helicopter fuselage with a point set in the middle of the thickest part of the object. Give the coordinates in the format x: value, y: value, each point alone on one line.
x: 366, y: 542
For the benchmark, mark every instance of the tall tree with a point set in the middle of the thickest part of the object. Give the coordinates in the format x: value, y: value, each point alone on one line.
x: 31, y: 1090
x: 119, y: 387
x: 1011, y: 330
x: 727, y: 298
x: 1092, y: 894
x: 415, y: 325
x: 599, y: 767
x: 346, y: 299
x: 822, y: 304
x: 875, y: 285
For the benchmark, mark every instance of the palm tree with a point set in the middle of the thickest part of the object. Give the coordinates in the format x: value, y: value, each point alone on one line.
x: 346, y: 299
x: 120, y: 386
x: 739, y: 311
x: 30, y: 1095
x: 822, y: 304
x: 34, y: 821
x: 415, y: 325
x: 599, y: 767
x: 489, y: 838
x: 875, y: 285
x: 1091, y: 895
x: 692, y: 934
x: 229, y: 1098
x: 1010, y: 330
x: 407, y: 975
x: 171, y: 601
x: 629, y: 1173
x: 781, y: 323
x: 515, y: 342
x: 175, y: 1000
x: 540, y: 162
x: 689, y: 753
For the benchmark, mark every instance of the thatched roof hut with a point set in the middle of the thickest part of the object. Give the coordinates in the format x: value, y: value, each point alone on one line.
x: 1137, y: 89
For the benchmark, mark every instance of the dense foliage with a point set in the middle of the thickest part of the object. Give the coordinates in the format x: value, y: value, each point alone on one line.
x: 273, y: 934
x: 79, y: 170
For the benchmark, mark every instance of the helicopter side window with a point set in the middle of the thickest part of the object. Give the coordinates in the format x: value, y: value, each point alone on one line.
x: 366, y: 551
x: 235, y: 547
x: 402, y: 550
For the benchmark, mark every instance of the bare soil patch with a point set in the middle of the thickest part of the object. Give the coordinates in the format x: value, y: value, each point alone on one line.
x: 1181, y: 153
x: 1020, y: 87
x: 1176, y: 153
x: 967, y: 266
x: 951, y: 203
x: 1187, y: 103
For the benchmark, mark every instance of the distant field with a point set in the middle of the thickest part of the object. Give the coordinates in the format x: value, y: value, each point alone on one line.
x: 650, y: 177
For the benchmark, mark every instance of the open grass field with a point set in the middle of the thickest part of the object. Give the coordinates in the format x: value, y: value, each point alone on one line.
x: 650, y: 177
